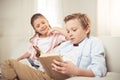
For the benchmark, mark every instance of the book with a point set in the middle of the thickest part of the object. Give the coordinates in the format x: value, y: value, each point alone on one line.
x: 46, y: 60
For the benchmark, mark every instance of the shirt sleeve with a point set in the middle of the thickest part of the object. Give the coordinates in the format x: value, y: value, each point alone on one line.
x: 31, y: 50
x: 60, y: 39
x: 98, y: 65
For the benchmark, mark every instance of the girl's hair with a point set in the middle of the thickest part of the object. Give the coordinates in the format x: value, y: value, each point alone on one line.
x: 83, y: 18
x: 36, y: 16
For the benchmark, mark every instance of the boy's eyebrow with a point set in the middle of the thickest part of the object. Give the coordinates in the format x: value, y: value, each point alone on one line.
x: 74, y: 27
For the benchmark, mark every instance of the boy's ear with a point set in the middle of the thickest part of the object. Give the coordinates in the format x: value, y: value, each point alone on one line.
x: 87, y: 29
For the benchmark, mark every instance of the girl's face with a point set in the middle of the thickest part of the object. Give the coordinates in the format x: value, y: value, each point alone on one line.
x: 76, y: 31
x: 41, y: 26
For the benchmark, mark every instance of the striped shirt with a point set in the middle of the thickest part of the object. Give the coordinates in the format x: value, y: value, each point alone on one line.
x: 45, y: 45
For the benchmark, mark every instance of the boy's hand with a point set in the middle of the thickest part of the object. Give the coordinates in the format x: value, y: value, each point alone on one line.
x: 65, y: 67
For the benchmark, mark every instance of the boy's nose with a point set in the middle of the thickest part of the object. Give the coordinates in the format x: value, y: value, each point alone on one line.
x: 70, y: 34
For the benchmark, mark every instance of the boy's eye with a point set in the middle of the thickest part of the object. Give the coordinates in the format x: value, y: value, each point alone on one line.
x: 74, y: 29
x: 68, y: 31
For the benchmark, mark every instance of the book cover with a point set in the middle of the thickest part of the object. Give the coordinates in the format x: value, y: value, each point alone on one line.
x: 46, y: 60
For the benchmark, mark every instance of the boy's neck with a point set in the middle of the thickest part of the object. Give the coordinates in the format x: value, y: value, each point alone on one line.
x: 75, y: 44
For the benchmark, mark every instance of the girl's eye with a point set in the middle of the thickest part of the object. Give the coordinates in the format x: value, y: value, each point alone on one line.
x: 43, y: 22
x: 37, y: 26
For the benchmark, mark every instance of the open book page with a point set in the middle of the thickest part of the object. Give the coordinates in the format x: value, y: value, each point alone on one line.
x: 46, y: 60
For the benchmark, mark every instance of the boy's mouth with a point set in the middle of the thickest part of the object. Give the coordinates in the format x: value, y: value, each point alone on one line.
x: 72, y: 39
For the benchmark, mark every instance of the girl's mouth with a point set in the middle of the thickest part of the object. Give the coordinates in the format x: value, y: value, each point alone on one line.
x: 44, y: 28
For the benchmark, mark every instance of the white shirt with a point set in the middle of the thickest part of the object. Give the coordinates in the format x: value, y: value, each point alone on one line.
x: 89, y: 55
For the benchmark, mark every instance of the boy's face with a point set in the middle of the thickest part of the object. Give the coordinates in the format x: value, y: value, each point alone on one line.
x: 76, y: 31
x: 41, y: 25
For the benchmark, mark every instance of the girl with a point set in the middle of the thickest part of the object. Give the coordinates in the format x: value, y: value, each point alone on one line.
x: 44, y: 39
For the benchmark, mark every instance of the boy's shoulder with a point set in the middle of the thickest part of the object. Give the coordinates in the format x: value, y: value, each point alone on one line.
x: 92, y: 38
x: 95, y: 40
x: 65, y: 44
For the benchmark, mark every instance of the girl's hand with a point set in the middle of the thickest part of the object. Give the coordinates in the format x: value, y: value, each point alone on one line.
x: 17, y: 59
x: 65, y: 67
x: 59, y: 30
x: 55, y: 30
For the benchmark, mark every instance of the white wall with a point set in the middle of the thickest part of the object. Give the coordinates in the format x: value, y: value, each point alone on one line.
x: 15, y: 28
x: 56, y: 10
x: 88, y: 7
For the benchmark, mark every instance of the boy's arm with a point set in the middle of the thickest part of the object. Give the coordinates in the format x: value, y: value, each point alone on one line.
x: 69, y: 68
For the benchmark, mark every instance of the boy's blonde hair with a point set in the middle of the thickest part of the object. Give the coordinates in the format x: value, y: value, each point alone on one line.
x: 83, y: 18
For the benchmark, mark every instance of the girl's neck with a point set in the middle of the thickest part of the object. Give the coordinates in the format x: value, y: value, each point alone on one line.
x: 43, y: 36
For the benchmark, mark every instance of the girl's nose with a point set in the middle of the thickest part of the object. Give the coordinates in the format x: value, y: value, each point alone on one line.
x: 42, y: 26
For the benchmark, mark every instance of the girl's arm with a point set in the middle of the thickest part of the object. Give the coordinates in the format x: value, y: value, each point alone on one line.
x: 59, y: 30
x: 24, y: 56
